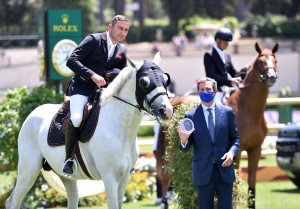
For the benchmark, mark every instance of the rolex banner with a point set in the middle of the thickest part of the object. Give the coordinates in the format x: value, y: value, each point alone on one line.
x: 60, y: 31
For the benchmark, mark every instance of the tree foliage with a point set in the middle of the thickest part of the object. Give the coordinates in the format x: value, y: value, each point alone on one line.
x: 13, y: 16
x: 16, y: 106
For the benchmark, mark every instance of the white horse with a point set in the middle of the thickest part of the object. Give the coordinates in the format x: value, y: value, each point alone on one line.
x: 112, y: 151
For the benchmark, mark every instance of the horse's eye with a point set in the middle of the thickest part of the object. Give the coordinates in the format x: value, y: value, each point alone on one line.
x: 144, y: 82
x: 166, y: 79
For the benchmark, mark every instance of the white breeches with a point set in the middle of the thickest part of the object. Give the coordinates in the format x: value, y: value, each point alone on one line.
x: 156, y: 134
x: 218, y: 97
x: 77, y: 103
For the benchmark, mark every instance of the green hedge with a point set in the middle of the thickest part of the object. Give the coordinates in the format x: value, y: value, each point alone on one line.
x: 16, y: 106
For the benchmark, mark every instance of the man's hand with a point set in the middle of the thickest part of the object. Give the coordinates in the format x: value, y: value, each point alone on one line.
x: 99, y: 80
x: 228, y: 157
x: 183, y: 136
x: 236, y: 81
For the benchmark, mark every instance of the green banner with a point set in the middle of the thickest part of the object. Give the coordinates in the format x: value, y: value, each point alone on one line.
x: 65, y: 23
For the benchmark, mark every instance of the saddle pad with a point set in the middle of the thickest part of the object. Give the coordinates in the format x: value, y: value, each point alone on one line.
x: 56, y: 136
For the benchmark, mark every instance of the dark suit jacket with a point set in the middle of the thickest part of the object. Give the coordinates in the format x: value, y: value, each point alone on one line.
x: 91, y: 57
x: 216, y: 69
x: 206, y: 150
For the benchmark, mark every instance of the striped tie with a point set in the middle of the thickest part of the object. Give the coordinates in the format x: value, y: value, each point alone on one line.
x: 211, y: 125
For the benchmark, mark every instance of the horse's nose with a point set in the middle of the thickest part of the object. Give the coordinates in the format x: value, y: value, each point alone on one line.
x: 271, y: 80
x: 162, y: 110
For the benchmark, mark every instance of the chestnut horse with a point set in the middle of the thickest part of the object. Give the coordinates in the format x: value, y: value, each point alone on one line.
x: 249, y: 103
x: 162, y: 143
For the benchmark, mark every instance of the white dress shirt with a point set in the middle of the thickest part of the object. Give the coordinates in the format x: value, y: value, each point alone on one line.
x: 205, y: 112
x: 221, y: 53
x: 110, y: 46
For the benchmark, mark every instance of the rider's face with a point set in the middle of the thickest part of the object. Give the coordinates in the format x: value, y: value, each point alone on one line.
x: 222, y: 44
x: 118, y: 32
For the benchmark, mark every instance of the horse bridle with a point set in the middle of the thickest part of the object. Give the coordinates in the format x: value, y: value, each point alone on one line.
x: 141, y: 107
x: 261, y: 77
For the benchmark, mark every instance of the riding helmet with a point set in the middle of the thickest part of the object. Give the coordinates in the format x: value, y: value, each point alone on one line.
x: 224, y: 34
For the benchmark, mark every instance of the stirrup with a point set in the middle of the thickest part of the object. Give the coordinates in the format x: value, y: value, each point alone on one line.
x: 72, y: 176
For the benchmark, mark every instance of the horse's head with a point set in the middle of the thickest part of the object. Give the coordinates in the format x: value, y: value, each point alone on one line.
x: 151, y: 90
x: 266, y: 64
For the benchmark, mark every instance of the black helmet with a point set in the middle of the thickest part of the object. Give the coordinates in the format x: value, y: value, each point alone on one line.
x: 224, y: 34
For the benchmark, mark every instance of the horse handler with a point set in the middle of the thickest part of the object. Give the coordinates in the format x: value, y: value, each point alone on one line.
x: 96, y: 55
x: 216, y: 141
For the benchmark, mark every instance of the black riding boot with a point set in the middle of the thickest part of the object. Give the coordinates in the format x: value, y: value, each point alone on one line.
x: 70, y: 138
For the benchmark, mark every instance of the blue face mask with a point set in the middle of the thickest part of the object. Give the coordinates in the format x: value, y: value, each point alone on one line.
x: 206, y: 96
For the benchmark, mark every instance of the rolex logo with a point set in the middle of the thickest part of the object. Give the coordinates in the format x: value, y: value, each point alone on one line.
x: 65, y: 18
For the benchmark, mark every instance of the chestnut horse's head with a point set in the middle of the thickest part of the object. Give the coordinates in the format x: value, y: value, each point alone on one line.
x: 266, y: 64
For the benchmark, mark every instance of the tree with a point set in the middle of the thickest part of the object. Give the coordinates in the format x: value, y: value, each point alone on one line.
x: 178, y: 9
x: 12, y: 15
x: 290, y: 8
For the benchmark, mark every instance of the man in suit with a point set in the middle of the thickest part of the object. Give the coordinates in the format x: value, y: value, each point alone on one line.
x: 215, y: 139
x: 218, y: 65
x: 96, y: 55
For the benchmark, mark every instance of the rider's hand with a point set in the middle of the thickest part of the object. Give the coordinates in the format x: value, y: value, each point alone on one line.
x: 99, y: 80
x: 249, y: 66
x: 236, y: 81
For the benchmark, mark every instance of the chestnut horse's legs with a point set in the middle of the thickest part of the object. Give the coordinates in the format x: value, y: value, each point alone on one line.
x: 253, y: 158
x: 237, y: 159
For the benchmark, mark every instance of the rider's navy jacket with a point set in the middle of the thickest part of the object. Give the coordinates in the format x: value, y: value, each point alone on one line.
x: 216, y: 69
x: 91, y: 57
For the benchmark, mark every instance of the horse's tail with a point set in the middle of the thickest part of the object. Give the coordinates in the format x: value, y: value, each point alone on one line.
x: 85, y: 187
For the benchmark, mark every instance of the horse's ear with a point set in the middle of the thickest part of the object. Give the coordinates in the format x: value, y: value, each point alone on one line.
x: 275, y: 48
x: 157, y: 58
x: 257, y: 47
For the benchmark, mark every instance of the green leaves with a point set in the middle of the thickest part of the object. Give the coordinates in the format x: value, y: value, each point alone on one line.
x: 16, y: 106
x: 179, y: 163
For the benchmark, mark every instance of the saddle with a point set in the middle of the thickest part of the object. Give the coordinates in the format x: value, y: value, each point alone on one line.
x: 59, y: 124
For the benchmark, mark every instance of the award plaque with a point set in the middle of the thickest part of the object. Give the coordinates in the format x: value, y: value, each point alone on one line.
x: 187, y: 125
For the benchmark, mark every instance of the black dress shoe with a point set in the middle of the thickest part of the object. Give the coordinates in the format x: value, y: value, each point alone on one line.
x: 68, y: 168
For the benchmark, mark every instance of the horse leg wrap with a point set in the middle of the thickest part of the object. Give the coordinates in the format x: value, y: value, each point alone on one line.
x: 164, y: 204
x: 251, y: 198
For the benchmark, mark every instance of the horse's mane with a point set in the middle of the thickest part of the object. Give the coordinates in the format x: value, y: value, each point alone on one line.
x: 115, y: 86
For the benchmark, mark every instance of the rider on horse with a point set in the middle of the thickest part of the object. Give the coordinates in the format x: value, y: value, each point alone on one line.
x: 218, y: 65
x: 97, y: 59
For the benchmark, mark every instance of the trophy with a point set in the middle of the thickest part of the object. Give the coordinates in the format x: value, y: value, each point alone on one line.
x: 187, y: 125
